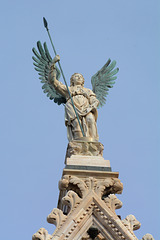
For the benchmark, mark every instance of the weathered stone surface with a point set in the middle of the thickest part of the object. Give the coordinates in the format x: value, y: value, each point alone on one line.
x: 102, y: 187
x: 93, y: 211
x: 131, y: 222
x: 113, y: 202
x: 79, y: 160
x: 98, y: 173
x: 42, y: 234
x: 56, y: 217
x: 71, y: 199
x: 84, y: 148
x: 87, y: 201
x: 147, y: 237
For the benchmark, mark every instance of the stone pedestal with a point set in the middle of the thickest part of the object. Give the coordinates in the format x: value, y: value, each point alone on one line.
x: 93, y: 163
x: 87, y: 202
x: 84, y: 148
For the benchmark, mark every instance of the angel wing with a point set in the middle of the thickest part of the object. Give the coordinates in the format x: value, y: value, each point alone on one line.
x: 103, y: 80
x: 42, y: 63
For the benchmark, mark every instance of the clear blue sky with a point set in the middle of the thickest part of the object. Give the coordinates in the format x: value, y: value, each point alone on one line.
x: 33, y: 136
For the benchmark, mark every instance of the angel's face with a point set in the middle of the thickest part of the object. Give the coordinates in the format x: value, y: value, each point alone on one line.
x: 77, y: 79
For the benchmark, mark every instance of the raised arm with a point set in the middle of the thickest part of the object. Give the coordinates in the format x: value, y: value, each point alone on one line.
x: 59, y: 87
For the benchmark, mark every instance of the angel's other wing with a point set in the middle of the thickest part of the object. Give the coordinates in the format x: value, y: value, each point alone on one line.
x: 42, y: 63
x: 103, y: 80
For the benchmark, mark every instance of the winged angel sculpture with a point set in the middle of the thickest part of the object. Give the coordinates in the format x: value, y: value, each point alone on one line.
x: 85, y: 101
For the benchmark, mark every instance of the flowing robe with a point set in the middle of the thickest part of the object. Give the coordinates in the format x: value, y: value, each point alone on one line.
x: 85, y: 102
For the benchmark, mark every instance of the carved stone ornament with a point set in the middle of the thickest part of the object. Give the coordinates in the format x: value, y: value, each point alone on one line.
x: 147, y: 237
x: 89, y: 214
x: 71, y: 199
x: 113, y: 202
x: 84, y: 148
x: 102, y: 187
x: 42, y: 234
x: 56, y: 217
x: 131, y: 222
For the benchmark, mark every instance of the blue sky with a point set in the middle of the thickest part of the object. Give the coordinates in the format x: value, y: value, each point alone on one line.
x: 33, y: 136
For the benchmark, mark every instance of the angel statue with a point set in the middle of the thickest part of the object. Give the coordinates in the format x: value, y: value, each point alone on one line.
x: 80, y: 103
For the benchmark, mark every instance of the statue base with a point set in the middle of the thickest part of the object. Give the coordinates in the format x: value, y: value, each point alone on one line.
x: 93, y: 163
x: 81, y: 169
x: 84, y: 148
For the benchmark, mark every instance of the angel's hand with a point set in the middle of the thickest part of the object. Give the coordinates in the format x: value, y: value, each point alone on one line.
x: 55, y: 59
x: 94, y: 106
x: 53, y: 73
x: 94, y: 102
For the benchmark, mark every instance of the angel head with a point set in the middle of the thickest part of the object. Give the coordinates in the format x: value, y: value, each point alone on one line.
x: 77, y: 79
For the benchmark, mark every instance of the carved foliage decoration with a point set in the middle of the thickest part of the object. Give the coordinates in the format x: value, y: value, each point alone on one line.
x: 131, y: 223
x: 82, y: 187
x: 71, y: 199
x: 109, y: 185
x: 81, y: 214
x: 113, y: 202
x: 42, y: 234
x: 80, y: 209
x: 56, y: 217
x: 80, y: 184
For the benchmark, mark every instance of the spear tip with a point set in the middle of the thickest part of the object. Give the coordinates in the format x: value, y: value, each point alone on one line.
x: 45, y: 23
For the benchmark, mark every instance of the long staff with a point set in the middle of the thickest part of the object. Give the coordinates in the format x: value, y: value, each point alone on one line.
x: 46, y: 26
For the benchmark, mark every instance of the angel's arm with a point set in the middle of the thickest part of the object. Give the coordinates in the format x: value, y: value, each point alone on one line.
x: 59, y: 87
x: 43, y: 62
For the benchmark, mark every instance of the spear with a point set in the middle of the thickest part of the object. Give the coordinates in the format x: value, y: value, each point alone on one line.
x: 46, y: 26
